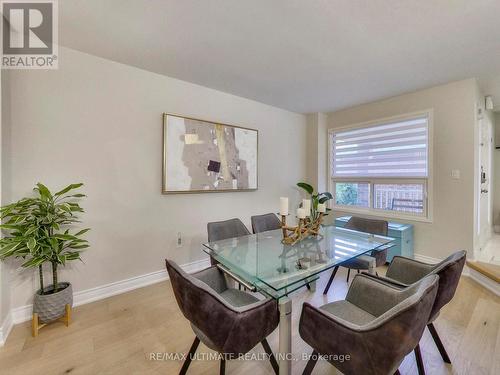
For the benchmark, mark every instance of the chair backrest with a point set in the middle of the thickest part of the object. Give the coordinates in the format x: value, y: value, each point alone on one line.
x: 449, y: 271
x: 398, y: 331
x: 377, y: 347
x: 264, y: 223
x: 229, y: 329
x: 380, y: 227
x: 221, y: 230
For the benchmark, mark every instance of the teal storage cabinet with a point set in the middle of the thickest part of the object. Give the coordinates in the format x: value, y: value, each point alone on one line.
x: 402, y: 233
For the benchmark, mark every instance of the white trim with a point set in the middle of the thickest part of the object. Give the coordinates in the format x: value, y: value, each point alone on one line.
x: 23, y: 313
x: 429, y: 186
x: 483, y: 280
x: 426, y: 259
x: 5, y: 328
x: 195, y: 266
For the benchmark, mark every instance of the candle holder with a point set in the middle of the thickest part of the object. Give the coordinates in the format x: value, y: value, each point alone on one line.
x: 305, y: 228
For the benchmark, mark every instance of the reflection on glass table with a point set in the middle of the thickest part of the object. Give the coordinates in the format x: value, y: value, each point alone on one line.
x: 276, y: 269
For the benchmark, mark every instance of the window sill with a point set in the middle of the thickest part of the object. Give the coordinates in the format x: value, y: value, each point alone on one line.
x: 380, y: 213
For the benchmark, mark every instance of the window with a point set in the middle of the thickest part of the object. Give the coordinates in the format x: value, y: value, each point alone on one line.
x: 399, y: 197
x: 382, y: 167
x: 352, y: 194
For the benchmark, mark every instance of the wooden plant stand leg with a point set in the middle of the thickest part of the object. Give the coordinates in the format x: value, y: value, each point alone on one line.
x: 67, y: 317
x: 36, y: 326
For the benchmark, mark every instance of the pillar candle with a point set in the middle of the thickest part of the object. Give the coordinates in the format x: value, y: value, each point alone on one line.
x: 284, y: 206
x: 321, y: 207
x: 301, y: 213
x: 306, y: 205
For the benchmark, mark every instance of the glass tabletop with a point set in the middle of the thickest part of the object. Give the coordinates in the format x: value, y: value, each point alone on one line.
x: 276, y: 269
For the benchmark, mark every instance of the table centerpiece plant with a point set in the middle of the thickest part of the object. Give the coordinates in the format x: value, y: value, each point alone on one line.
x: 316, y: 199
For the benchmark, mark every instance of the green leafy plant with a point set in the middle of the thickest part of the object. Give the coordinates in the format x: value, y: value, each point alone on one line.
x: 36, y: 230
x: 315, y: 198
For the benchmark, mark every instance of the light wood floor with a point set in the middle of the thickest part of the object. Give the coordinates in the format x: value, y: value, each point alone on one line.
x: 117, y: 335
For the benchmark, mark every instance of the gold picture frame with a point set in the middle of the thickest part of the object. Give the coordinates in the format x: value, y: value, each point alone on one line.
x: 225, y: 133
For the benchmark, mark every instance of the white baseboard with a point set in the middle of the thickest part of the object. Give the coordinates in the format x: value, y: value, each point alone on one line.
x: 23, y: 313
x: 426, y: 259
x: 484, y: 281
x: 5, y: 328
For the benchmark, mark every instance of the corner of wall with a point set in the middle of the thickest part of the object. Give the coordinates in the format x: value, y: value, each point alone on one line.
x: 317, y: 150
x: 5, y: 301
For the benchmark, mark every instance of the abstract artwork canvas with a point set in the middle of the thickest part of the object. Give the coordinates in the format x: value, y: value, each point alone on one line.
x: 206, y: 156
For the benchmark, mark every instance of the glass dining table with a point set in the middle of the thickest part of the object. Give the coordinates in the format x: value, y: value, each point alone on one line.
x: 262, y: 263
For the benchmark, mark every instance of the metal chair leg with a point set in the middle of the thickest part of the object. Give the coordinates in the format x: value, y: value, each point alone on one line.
x: 438, y: 342
x: 331, y: 279
x: 222, y: 370
x: 311, y: 363
x: 190, y: 355
x: 348, y: 273
x: 420, y: 363
x: 272, y: 358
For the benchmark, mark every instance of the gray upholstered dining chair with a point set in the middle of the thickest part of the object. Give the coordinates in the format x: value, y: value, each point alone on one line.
x: 404, y: 271
x: 377, y: 325
x: 221, y: 230
x: 229, y: 321
x: 264, y: 223
x: 377, y: 257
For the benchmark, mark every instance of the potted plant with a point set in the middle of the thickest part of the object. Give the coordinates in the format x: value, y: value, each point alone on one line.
x: 36, y: 229
x: 315, y: 198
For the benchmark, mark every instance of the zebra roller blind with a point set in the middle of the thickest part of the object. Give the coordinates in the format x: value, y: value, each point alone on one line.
x: 393, y: 149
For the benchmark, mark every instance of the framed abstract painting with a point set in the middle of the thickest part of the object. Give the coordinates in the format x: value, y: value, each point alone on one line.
x: 205, y: 156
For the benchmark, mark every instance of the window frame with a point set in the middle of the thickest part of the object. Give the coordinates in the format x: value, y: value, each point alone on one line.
x: 427, y: 182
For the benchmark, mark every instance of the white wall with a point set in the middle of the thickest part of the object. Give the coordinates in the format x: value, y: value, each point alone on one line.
x: 454, y: 123
x: 317, y: 146
x: 100, y: 122
x: 496, y: 167
x: 4, y: 275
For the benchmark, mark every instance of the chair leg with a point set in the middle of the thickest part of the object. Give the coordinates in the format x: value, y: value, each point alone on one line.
x: 420, y: 363
x: 222, y: 369
x: 311, y: 363
x: 438, y: 342
x: 272, y: 358
x: 331, y: 279
x: 376, y: 273
x: 348, y: 273
x: 190, y: 355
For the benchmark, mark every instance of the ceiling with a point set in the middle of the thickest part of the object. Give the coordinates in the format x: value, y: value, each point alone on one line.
x: 304, y: 56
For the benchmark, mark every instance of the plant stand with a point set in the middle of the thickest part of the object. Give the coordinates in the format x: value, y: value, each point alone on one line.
x: 36, y: 325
